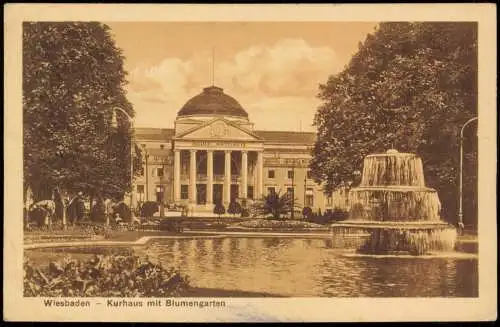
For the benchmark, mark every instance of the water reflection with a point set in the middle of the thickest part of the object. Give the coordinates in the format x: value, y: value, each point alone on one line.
x: 309, y: 267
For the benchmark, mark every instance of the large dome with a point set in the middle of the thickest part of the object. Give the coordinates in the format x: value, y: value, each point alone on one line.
x: 212, y: 101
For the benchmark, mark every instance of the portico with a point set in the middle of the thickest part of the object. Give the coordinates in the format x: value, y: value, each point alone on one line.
x: 217, y: 171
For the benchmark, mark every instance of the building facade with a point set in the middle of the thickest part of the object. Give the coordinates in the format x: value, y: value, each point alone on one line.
x: 213, y: 153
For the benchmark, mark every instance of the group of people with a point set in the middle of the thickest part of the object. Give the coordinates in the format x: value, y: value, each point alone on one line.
x: 45, y: 212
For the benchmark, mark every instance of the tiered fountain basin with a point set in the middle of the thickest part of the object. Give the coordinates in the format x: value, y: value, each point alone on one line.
x: 392, y: 211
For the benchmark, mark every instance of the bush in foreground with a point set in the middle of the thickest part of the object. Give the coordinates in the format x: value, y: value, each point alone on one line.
x: 103, y: 276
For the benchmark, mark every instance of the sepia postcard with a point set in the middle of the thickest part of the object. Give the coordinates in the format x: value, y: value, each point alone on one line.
x: 250, y: 163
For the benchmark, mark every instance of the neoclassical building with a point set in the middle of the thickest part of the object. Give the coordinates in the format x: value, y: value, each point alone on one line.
x: 213, y: 153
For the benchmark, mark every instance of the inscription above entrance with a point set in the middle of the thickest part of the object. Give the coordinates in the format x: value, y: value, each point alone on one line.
x: 214, y: 144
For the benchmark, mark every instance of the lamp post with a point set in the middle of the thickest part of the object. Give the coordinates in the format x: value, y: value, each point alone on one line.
x: 305, y: 188
x: 115, y: 124
x: 159, y: 190
x: 293, y: 190
x: 460, y: 212
x: 146, y: 156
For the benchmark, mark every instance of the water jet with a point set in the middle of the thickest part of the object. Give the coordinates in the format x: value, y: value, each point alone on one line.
x: 392, y: 211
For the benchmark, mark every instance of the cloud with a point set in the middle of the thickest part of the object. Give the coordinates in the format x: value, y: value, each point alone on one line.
x: 266, y: 80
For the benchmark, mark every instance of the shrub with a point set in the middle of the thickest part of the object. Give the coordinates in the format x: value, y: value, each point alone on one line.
x: 103, y: 276
x: 98, y: 212
x: 149, y: 208
x: 234, y: 208
x: 307, y: 212
x: 171, y: 225
x: 219, y: 209
x: 123, y: 211
x: 339, y: 214
x: 37, y: 216
x: 245, y: 213
x: 274, y: 204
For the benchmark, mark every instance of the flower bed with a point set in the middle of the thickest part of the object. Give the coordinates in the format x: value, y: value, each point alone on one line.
x: 103, y: 276
x: 81, y: 231
x: 277, y: 225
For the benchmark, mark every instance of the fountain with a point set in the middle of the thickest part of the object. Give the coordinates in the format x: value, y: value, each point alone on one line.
x: 392, y: 211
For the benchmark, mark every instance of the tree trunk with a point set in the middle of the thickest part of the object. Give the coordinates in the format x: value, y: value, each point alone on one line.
x: 62, y: 204
x: 91, y: 206
x: 26, y: 204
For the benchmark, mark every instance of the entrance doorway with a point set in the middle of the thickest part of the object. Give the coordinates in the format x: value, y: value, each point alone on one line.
x: 234, y: 192
x: 218, y: 188
x: 201, y: 193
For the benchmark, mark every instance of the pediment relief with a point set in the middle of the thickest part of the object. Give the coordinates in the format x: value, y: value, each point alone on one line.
x: 219, y: 129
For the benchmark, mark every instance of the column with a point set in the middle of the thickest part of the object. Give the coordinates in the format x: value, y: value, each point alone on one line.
x: 192, y: 177
x: 210, y: 177
x: 227, y: 177
x: 244, y: 174
x: 260, y: 168
x: 177, y: 175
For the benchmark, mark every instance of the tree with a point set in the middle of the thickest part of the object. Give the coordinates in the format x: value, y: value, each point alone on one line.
x: 275, y: 204
x: 411, y: 86
x: 149, y: 208
x: 234, y: 208
x: 72, y: 76
x: 219, y: 209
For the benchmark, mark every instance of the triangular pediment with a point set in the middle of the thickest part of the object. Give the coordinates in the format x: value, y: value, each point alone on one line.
x: 219, y: 129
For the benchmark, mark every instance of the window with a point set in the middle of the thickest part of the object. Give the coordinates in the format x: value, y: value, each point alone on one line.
x: 309, y: 197
x: 309, y: 174
x: 270, y: 174
x: 162, y: 146
x: 329, y: 201
x: 271, y: 190
x: 290, y: 174
x: 250, y: 192
x: 184, y: 192
x: 289, y: 191
x: 159, y: 172
x: 140, y: 188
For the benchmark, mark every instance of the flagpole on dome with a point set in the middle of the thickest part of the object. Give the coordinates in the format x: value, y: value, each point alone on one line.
x: 213, y: 66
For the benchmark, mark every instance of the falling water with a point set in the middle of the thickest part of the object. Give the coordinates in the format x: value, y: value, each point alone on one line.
x: 393, y: 168
x: 393, y: 211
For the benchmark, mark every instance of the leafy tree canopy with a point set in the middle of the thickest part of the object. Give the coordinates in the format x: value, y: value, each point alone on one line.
x: 73, y: 76
x: 410, y: 86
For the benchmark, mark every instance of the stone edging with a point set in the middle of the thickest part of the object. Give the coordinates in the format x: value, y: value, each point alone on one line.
x: 145, y: 239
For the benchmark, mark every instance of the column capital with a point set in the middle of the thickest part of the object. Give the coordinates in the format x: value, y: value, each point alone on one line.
x: 228, y: 151
x: 210, y: 151
x: 192, y: 150
x: 244, y: 151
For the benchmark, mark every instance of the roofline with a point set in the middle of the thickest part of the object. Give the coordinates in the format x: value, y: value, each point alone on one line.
x: 211, y: 115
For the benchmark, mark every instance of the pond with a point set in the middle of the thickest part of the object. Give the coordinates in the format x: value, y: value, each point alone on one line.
x: 312, y: 268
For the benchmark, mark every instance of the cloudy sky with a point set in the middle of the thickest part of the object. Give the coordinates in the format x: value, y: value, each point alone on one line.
x: 272, y: 69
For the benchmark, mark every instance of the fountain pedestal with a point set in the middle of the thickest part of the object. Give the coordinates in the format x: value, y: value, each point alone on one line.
x: 392, y: 211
